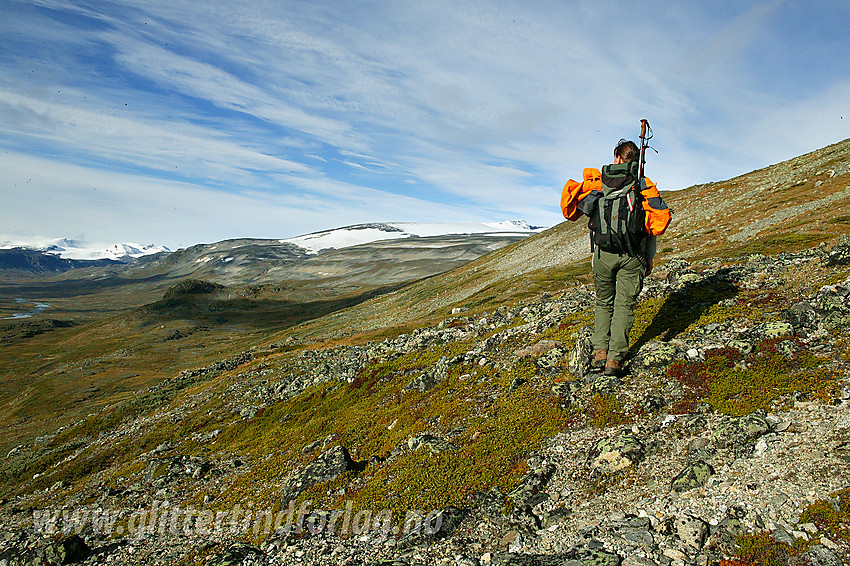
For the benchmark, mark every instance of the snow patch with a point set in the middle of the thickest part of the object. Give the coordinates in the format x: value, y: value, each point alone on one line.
x: 367, y: 233
x: 77, y: 249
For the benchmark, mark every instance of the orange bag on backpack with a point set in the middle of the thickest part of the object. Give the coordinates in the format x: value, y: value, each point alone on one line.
x: 658, y: 216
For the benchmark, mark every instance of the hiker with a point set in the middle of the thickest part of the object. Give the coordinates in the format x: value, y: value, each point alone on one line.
x: 626, y: 214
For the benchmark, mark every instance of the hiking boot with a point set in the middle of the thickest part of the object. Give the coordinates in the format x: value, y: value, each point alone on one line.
x: 599, y: 358
x: 613, y: 368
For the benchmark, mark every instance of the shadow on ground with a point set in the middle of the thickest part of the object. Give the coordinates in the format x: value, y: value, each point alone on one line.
x: 683, y: 307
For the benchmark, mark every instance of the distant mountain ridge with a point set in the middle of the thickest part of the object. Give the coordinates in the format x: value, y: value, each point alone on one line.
x: 34, y: 261
x: 63, y: 254
x: 312, y: 243
x: 67, y: 248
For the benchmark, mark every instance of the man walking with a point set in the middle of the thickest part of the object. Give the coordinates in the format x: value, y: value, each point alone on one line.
x: 626, y: 215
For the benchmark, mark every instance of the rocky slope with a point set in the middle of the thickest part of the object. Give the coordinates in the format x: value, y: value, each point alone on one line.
x: 734, y: 419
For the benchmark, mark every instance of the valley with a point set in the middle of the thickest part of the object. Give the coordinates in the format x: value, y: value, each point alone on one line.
x: 449, y: 376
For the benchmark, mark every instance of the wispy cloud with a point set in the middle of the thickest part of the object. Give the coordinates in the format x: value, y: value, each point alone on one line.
x: 278, y: 118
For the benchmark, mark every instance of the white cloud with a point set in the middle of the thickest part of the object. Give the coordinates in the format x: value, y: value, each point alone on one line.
x: 49, y: 199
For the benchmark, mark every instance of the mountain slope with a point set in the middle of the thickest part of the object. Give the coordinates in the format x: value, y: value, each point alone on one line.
x: 793, y: 204
x: 733, y: 419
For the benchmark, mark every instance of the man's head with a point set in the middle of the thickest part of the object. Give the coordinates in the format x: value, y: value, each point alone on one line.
x: 625, y: 151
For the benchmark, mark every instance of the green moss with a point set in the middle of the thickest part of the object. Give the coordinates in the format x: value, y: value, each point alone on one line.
x: 739, y: 389
x: 494, y: 428
x: 607, y: 410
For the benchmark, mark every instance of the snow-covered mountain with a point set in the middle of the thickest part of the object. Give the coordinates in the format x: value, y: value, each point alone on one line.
x: 366, y: 233
x: 311, y: 243
x: 76, y: 249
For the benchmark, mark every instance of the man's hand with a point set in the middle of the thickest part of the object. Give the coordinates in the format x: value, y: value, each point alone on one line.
x: 650, y: 263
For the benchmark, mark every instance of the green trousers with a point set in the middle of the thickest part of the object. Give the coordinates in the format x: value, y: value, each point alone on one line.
x: 618, y: 280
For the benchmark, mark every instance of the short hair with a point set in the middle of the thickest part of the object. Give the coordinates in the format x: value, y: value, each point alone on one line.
x: 626, y: 150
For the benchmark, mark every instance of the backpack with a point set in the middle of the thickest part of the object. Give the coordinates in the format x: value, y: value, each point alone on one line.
x: 618, y: 222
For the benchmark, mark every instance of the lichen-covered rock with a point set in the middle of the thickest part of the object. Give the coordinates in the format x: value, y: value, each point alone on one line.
x: 239, y: 554
x: 656, y: 354
x: 818, y: 555
x: 692, y: 531
x: 801, y: 315
x: 693, y: 476
x: 581, y: 355
x: 573, y: 557
x: 636, y: 530
x: 329, y: 465
x: 740, y: 432
x: 617, y: 453
x: 443, y: 525
x: 838, y: 256
x: 530, y: 490
x: 67, y: 551
x: 434, y: 444
x: 430, y: 378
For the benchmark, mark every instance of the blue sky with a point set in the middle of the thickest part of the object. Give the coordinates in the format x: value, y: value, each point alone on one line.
x: 181, y: 122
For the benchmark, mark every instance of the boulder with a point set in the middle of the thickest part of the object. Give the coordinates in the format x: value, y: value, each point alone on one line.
x: 693, y: 476
x: 530, y: 490
x: 67, y: 551
x: 633, y: 529
x: 328, y: 466
x: 692, y: 531
x: 581, y: 355
x: 238, y: 554
x: 434, y: 444
x: 656, y: 354
x: 617, y: 453
x: 443, y: 524
x: 740, y: 433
